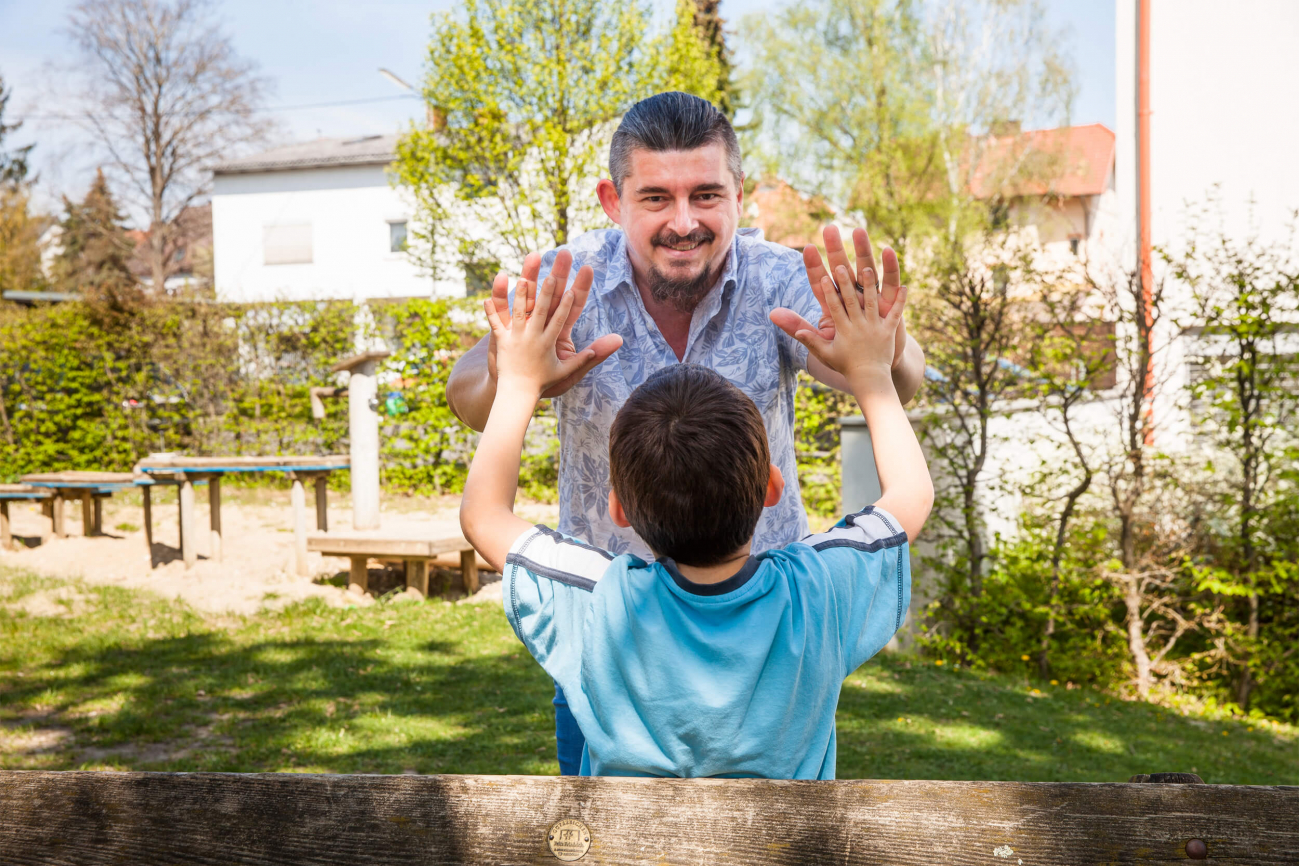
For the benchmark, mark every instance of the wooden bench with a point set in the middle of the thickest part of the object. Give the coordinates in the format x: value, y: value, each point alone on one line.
x: 20, y: 493
x: 275, y: 819
x: 415, y: 553
x: 88, y: 487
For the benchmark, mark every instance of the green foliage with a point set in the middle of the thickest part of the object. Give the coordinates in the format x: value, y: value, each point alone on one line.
x: 817, y: 410
x: 523, y: 97
x: 95, y: 250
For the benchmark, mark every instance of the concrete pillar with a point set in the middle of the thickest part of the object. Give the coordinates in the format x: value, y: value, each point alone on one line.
x: 363, y: 426
x: 860, y: 480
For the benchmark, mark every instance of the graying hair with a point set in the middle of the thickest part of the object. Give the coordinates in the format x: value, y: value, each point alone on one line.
x: 671, y: 121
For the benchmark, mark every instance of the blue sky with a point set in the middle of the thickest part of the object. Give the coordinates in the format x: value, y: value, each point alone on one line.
x: 329, y: 51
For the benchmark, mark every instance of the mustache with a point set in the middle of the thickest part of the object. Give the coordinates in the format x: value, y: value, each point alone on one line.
x: 667, y: 237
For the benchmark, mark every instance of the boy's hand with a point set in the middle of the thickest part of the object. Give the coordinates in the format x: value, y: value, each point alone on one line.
x: 862, y: 343
x: 526, y: 353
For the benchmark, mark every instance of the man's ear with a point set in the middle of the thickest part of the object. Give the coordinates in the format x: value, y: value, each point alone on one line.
x: 609, y: 200
x: 775, y: 488
x: 616, y: 513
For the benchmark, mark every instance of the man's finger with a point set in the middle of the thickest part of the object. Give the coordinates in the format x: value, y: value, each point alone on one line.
x: 789, y: 321
x: 501, y: 296
x: 892, y: 275
x: 861, y: 242
x: 580, y: 291
x: 836, y: 255
x: 559, y: 270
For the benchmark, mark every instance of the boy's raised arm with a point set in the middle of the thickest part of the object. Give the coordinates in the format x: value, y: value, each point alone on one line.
x: 862, y: 350
x: 526, y: 365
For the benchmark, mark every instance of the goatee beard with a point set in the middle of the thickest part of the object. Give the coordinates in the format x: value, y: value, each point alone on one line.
x: 682, y: 293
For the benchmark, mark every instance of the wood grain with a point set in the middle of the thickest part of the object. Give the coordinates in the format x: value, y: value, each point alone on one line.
x: 398, y: 548
x: 338, y: 461
x: 77, y: 818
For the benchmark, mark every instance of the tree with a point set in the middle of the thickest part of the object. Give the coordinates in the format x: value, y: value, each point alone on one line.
x: 13, y: 163
x: 95, y: 250
x: 885, y: 106
x: 524, y: 96
x: 164, y: 96
x: 711, y: 27
x: 1246, y: 296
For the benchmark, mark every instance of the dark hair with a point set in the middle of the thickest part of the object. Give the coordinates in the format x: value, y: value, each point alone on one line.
x: 671, y: 121
x: 688, y: 458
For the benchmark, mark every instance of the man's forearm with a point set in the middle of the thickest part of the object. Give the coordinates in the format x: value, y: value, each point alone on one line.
x: 470, y: 389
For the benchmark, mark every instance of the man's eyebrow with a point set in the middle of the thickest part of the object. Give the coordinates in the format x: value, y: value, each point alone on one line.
x: 662, y: 190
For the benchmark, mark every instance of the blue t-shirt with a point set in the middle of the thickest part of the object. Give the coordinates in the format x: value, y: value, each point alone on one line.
x: 667, y: 677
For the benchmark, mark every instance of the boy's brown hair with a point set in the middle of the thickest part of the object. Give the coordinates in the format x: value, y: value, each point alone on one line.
x: 689, y: 460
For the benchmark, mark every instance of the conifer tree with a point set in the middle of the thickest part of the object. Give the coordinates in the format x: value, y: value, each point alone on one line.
x: 96, y: 251
x: 710, y: 24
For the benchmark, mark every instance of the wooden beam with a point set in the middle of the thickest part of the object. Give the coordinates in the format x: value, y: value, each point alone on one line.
x: 146, y: 495
x: 187, y: 530
x: 469, y: 570
x: 6, y: 534
x: 87, y: 819
x: 359, y: 574
x: 299, y: 499
x: 322, y: 503
x: 394, y: 548
x: 417, y: 575
x: 214, y: 514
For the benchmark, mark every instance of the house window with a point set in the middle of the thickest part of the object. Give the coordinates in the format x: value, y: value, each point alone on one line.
x: 1074, y: 242
x: 286, y: 244
x: 397, y: 237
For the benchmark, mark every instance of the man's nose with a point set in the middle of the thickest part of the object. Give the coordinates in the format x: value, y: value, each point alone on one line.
x: 683, y: 218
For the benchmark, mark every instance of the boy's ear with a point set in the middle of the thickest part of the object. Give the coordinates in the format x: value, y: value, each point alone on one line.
x: 615, y: 511
x: 775, y: 488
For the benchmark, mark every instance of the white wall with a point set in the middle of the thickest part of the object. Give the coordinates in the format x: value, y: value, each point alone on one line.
x: 349, y: 209
x: 1224, y: 86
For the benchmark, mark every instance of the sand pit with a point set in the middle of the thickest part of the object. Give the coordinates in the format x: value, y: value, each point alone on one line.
x: 257, y: 566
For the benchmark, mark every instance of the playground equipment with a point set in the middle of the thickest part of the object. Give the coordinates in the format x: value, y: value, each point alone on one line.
x: 363, y: 433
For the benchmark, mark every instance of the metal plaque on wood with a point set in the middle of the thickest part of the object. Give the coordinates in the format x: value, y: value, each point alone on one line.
x: 569, y: 839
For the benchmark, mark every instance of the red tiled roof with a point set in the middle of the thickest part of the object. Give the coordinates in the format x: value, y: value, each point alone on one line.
x: 1077, y: 159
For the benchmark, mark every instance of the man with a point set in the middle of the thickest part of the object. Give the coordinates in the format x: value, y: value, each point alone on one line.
x: 678, y: 281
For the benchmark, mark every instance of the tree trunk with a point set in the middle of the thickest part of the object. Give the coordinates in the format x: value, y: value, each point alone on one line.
x: 1136, y: 635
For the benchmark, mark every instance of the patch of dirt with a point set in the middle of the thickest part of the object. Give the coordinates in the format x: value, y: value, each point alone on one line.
x: 62, y: 602
x: 257, y: 566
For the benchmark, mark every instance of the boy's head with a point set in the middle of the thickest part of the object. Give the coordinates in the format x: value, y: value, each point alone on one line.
x: 689, y: 465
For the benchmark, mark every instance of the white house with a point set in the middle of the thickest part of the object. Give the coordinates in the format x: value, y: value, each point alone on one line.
x: 316, y: 221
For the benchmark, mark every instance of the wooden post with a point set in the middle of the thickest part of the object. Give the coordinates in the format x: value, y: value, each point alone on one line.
x: 299, y: 497
x: 360, y: 574
x: 188, y: 552
x: 322, y: 504
x: 99, y: 515
x: 147, y: 496
x: 363, y: 434
x: 87, y: 513
x: 417, y: 575
x: 214, y: 514
x: 6, y: 534
x: 469, y: 570
x: 56, y: 515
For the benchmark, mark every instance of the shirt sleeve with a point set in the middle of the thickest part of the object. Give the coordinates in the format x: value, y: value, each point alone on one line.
x: 547, y: 586
x: 796, y: 294
x: 868, y: 559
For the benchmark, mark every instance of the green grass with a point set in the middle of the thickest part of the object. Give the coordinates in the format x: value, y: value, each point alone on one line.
x: 123, y: 680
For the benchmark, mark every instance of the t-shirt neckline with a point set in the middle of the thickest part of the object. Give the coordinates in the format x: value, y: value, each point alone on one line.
x: 731, y: 584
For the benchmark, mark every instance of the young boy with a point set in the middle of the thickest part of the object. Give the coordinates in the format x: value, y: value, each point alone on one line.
x: 709, y: 661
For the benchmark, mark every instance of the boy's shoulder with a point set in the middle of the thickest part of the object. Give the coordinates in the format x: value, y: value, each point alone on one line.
x: 558, y: 557
x: 869, y: 530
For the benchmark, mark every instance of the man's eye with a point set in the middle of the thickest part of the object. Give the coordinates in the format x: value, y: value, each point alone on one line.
x: 709, y: 196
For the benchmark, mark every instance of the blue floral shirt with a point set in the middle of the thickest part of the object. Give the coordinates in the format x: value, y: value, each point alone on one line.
x: 729, y: 332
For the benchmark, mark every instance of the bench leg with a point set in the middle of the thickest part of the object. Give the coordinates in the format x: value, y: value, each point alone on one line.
x: 6, y: 535
x: 188, y: 552
x: 322, y: 504
x: 56, y: 516
x: 99, y: 516
x: 469, y: 570
x: 87, y: 514
x: 214, y: 514
x: 360, y: 574
x: 147, y: 496
x: 417, y: 575
x: 299, y: 527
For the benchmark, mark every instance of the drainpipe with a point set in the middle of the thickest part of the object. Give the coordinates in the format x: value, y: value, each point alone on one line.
x: 1143, y: 193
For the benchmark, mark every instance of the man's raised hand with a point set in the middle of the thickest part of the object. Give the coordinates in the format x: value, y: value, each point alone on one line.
x: 602, y: 347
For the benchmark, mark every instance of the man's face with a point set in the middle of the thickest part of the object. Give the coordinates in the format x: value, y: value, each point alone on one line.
x: 679, y: 211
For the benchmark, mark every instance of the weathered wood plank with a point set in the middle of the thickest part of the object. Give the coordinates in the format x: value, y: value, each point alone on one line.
x: 396, y: 548
x: 271, y: 819
x: 78, y: 477
x: 333, y: 461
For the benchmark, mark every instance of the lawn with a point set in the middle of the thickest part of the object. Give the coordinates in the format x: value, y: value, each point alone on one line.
x: 122, y: 680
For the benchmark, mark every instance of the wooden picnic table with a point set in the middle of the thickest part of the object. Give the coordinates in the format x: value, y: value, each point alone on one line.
x: 91, y: 488
x: 415, y: 553
x: 19, y: 492
x: 188, y: 471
